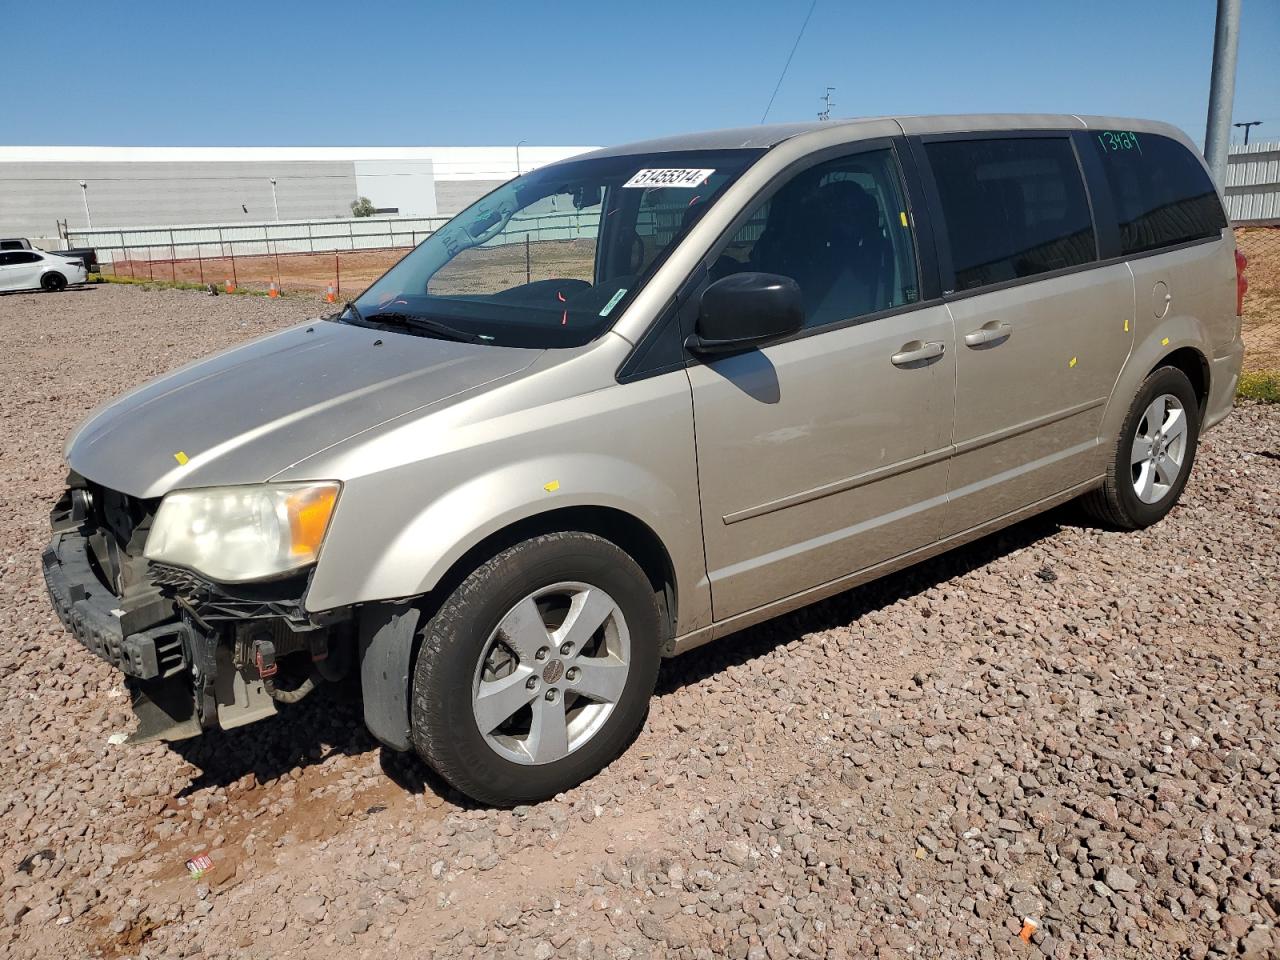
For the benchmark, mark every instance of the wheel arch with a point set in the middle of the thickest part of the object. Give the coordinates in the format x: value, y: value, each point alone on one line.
x: 625, y: 530
x: 1195, y: 365
x: 1179, y: 342
x: 389, y: 631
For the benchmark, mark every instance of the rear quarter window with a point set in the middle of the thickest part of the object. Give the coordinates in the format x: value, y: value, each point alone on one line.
x: 1162, y: 193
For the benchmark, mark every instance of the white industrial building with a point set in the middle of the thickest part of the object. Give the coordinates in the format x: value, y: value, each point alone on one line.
x: 107, y: 187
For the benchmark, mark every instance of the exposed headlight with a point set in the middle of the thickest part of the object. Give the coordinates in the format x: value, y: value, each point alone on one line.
x: 234, y: 534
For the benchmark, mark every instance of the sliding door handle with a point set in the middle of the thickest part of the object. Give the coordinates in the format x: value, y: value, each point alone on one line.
x: 917, y: 352
x: 997, y: 331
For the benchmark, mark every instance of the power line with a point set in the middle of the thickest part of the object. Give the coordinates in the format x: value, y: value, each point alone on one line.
x: 787, y: 65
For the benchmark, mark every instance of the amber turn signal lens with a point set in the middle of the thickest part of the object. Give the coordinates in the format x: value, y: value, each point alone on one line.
x: 309, y: 511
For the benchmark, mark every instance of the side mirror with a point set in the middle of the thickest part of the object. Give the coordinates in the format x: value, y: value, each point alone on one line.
x: 746, y: 310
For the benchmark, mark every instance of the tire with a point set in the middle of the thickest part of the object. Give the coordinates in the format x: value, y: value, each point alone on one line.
x: 482, y: 653
x: 1134, y: 493
x: 53, y: 281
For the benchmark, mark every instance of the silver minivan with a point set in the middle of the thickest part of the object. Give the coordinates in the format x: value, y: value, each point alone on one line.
x: 638, y: 400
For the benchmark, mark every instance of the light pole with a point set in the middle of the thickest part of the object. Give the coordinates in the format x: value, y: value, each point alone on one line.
x: 275, y: 205
x: 1222, y: 89
x: 1251, y: 123
x: 518, y: 171
x: 84, y: 191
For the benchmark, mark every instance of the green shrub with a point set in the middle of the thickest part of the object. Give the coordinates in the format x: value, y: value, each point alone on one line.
x: 1263, y: 385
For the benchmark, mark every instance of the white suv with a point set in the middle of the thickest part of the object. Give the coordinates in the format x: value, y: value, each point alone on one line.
x: 35, y: 269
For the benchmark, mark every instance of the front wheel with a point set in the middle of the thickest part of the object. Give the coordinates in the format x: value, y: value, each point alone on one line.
x: 1152, y: 458
x: 536, y: 671
x: 52, y: 282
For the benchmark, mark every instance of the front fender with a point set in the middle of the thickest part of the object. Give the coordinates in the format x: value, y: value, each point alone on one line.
x: 406, y: 521
x: 444, y: 530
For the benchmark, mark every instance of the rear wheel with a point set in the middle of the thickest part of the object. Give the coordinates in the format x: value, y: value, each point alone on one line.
x: 537, y: 670
x: 53, y: 282
x: 1151, y: 461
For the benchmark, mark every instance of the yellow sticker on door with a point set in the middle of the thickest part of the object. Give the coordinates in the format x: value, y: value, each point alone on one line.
x: 181, y: 457
x: 1164, y: 342
x: 1074, y: 361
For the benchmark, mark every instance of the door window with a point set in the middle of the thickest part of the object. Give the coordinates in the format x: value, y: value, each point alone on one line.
x: 1162, y: 193
x: 841, y: 231
x: 1013, y: 207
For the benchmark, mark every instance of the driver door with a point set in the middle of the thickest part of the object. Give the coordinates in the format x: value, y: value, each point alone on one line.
x: 827, y: 453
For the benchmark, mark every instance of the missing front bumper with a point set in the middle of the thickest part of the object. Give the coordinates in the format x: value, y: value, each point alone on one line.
x: 90, y: 612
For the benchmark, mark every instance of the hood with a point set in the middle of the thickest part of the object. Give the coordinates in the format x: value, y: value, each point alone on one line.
x: 244, y: 415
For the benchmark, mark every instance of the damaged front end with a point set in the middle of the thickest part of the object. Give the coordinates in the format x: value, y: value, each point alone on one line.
x: 195, y: 654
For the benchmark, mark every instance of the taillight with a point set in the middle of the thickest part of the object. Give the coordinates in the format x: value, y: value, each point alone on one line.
x: 1242, y: 282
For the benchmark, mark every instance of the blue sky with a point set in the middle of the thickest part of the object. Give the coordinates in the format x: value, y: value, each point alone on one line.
x: 379, y: 73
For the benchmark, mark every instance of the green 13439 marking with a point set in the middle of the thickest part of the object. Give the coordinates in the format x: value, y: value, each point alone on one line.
x: 1119, y: 140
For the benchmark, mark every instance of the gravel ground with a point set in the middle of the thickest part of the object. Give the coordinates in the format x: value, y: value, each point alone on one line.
x: 1058, y: 732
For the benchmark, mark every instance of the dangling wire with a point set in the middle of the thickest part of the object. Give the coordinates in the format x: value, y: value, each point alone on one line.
x: 787, y: 65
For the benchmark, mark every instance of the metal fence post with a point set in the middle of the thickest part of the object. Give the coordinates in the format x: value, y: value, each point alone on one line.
x: 337, y: 274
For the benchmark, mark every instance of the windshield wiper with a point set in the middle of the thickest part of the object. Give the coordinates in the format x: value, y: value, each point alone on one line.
x: 435, y: 328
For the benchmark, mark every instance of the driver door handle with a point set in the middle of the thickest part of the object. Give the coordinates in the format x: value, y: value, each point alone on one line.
x: 992, y: 332
x: 918, y: 352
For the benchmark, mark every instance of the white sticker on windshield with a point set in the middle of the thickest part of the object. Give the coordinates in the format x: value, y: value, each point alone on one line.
x: 669, y: 177
x: 613, y: 302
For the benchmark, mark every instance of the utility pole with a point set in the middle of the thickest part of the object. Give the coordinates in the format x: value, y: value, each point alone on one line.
x: 825, y: 113
x: 274, y: 204
x: 1222, y: 89
x: 1251, y: 123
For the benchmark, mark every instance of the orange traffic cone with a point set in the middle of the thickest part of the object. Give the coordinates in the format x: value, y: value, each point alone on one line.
x: 230, y: 286
x: 272, y: 292
x: 329, y: 295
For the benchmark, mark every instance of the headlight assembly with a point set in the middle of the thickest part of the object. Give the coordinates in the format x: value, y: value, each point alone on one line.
x: 236, y: 534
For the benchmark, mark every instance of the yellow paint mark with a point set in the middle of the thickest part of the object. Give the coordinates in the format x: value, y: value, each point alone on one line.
x: 1074, y: 361
x: 1164, y: 342
x: 903, y: 215
x: 1126, y: 324
x: 181, y: 457
x: 551, y: 487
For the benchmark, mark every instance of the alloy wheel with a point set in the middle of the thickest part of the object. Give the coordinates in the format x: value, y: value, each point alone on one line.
x: 1159, y: 448
x: 551, y: 673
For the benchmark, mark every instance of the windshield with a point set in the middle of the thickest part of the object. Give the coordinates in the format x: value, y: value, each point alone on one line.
x: 551, y: 258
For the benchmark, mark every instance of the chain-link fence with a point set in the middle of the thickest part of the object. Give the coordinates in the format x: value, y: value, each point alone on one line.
x: 312, y: 256
x: 348, y: 255
x: 1261, y: 245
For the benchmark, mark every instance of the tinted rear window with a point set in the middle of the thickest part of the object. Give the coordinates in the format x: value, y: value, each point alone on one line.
x: 1013, y: 207
x: 1162, y: 193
